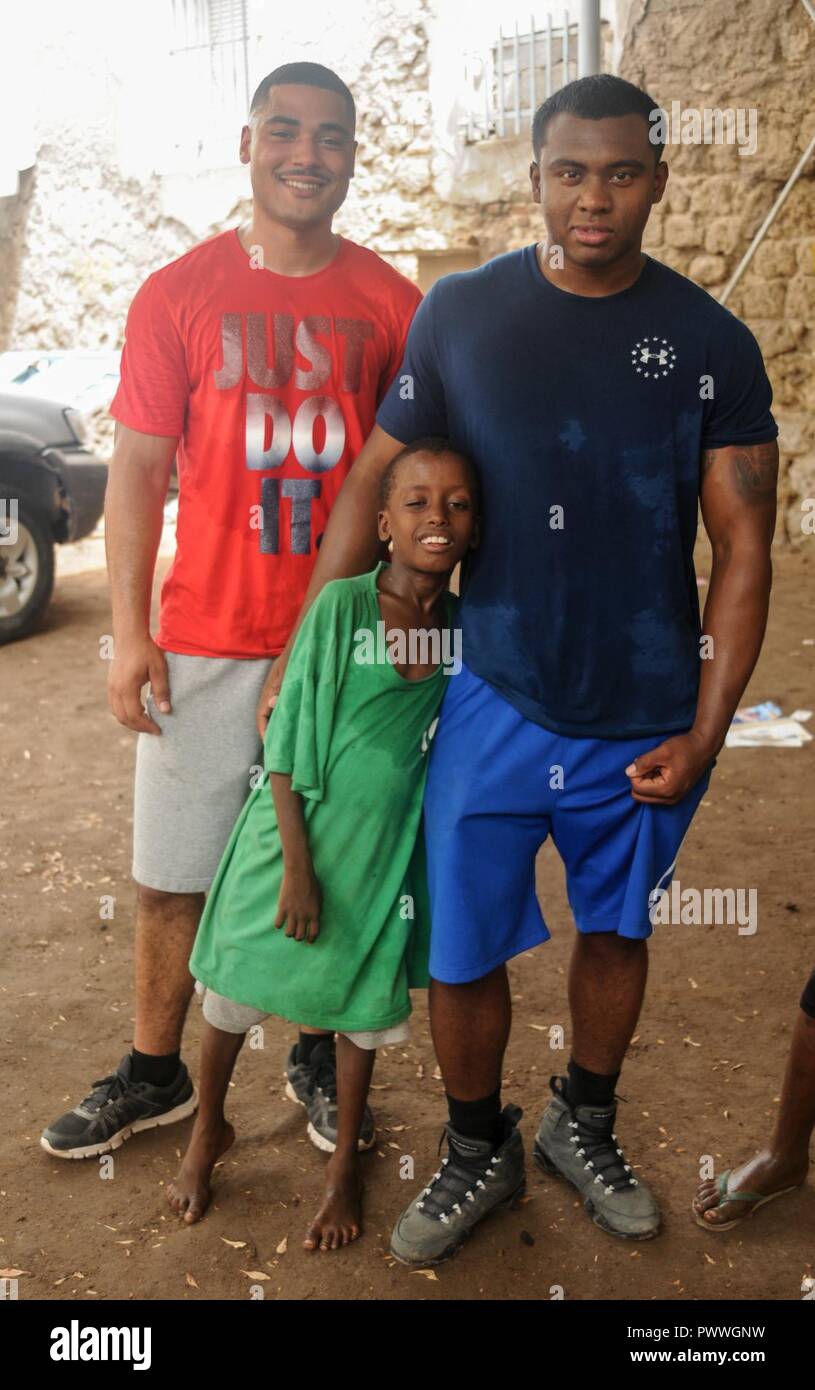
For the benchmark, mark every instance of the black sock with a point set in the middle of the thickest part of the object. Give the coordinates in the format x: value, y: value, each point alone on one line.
x: 158, y: 1071
x: 307, y: 1042
x: 478, y: 1119
x: 589, y: 1087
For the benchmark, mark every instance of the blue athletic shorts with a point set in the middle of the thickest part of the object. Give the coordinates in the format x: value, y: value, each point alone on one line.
x: 497, y: 786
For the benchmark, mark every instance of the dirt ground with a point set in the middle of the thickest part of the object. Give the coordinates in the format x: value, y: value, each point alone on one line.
x: 703, y: 1075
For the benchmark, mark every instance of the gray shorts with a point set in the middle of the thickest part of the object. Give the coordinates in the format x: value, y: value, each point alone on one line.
x: 193, y: 778
x: 230, y: 1017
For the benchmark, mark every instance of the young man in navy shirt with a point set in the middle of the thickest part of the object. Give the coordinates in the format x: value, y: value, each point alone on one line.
x: 602, y: 396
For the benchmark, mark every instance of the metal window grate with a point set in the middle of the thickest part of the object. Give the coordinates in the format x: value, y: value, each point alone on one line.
x: 505, y: 86
x: 211, y: 62
x: 227, y: 20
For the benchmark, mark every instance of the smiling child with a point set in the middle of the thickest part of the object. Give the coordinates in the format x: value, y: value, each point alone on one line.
x: 318, y: 912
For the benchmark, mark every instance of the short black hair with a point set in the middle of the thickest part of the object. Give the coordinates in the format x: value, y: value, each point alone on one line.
x: 594, y: 97
x: 429, y: 444
x: 305, y: 75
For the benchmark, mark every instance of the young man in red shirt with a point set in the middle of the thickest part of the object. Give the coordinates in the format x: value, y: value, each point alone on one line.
x: 258, y: 359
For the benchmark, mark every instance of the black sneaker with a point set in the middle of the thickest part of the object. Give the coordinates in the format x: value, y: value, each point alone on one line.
x: 473, y: 1180
x: 116, y: 1109
x: 313, y: 1084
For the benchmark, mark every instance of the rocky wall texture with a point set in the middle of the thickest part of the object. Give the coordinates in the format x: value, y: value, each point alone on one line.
x: 762, y: 56
x: 14, y: 212
x: 91, y: 235
x: 85, y: 236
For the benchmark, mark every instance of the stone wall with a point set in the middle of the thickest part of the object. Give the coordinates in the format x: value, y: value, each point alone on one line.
x: 14, y: 211
x: 760, y: 55
x: 92, y: 234
x: 91, y: 224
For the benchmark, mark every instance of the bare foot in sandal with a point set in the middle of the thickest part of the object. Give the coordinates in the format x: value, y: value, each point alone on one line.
x: 761, y: 1178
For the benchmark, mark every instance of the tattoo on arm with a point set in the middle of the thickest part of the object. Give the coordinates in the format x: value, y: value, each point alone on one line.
x: 754, y: 469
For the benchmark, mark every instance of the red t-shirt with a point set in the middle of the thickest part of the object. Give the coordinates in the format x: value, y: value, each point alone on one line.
x: 271, y: 383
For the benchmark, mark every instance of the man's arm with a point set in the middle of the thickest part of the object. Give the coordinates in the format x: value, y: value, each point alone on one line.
x: 738, y: 497
x: 738, y: 508
x: 349, y: 545
x: 134, y: 504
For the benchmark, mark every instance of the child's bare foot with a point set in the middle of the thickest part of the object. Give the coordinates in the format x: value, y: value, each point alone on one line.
x: 189, y: 1194
x: 339, y: 1220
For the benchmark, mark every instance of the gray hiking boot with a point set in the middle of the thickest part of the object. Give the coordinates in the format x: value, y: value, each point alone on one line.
x: 313, y: 1085
x: 471, y: 1181
x: 580, y: 1145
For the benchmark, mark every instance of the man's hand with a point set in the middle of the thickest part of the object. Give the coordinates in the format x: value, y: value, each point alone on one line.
x: 665, y: 774
x: 299, y: 904
x: 269, y: 693
x: 134, y: 664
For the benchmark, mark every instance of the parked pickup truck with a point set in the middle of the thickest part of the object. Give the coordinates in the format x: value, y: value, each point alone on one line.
x: 52, y: 490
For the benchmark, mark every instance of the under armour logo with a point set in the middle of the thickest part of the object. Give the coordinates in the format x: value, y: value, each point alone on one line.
x: 653, y: 357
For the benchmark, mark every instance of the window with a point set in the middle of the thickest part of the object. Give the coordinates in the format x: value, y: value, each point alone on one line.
x: 504, y: 86
x: 211, y: 71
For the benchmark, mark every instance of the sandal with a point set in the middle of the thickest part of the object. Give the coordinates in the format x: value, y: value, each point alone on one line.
x: 724, y: 1196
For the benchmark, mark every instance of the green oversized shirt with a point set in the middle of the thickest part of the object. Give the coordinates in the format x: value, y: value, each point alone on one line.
x: 354, y: 735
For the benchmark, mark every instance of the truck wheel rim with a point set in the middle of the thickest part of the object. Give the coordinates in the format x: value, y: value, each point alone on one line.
x: 19, y: 570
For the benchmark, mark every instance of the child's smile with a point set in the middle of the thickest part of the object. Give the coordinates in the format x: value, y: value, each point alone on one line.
x: 436, y: 541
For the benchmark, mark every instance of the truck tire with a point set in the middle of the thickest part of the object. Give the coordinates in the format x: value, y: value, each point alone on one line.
x: 26, y: 573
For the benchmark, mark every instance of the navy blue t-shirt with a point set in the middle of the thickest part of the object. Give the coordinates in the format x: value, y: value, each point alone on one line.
x: 586, y: 418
